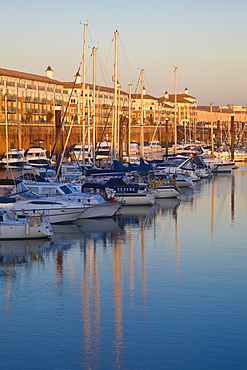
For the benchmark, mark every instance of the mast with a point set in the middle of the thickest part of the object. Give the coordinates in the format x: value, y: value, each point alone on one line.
x: 142, y: 113
x: 212, y: 128
x: 129, y: 121
x: 93, y: 112
x: 175, y: 110
x: 83, y: 90
x: 6, y: 130
x: 115, y: 113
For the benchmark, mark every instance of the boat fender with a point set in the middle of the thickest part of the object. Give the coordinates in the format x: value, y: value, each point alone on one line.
x: 152, y: 185
x: 38, y: 219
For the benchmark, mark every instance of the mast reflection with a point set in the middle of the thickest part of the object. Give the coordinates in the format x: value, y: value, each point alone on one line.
x: 233, y: 200
x: 117, y: 251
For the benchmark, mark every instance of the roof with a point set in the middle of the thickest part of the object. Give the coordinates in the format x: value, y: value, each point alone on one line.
x: 181, y: 98
x: 28, y: 76
x: 146, y: 96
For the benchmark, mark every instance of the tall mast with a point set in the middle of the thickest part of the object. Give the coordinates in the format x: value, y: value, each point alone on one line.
x: 6, y: 129
x: 175, y: 110
x: 129, y: 120
x: 142, y: 114
x: 93, y: 112
x: 212, y: 128
x: 83, y: 90
x: 115, y: 113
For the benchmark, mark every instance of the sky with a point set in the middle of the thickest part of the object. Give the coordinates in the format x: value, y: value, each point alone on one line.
x: 205, y: 40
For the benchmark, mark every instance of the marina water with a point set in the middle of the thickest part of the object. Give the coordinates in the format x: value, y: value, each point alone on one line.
x: 159, y: 287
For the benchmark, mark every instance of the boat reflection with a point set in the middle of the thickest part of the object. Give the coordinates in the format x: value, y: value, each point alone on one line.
x: 104, y: 225
x: 168, y: 204
x: 21, y: 251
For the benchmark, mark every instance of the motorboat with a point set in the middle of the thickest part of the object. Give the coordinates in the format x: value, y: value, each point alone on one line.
x: 80, y: 152
x: 152, y: 146
x: 14, y: 226
x: 14, y: 158
x: 129, y: 194
x: 15, y: 195
x: 96, y: 204
x: 164, y: 190
x: 37, y: 156
x: 178, y: 165
x: 103, y: 149
x: 219, y: 165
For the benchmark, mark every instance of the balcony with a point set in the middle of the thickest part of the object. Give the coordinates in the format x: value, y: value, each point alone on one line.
x: 31, y: 87
x: 11, y: 97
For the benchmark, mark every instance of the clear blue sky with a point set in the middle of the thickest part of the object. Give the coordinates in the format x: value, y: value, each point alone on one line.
x: 206, y: 40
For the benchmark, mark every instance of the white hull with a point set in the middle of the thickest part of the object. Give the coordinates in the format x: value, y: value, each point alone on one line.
x: 100, y: 210
x: 137, y: 199
x: 55, y: 214
x: 162, y: 192
x: 224, y: 168
x: 27, y: 228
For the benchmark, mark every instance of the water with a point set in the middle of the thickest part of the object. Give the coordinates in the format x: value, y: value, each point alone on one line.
x: 160, y: 287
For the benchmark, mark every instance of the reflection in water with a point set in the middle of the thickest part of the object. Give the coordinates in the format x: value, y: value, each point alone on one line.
x: 14, y: 252
x: 117, y: 251
x: 131, y: 266
x: 104, y: 225
x: 143, y: 253
x: 212, y: 210
x: 233, y: 199
x: 125, y: 270
x: 18, y: 251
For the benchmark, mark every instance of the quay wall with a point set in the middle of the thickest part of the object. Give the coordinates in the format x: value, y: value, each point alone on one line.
x: 25, y: 134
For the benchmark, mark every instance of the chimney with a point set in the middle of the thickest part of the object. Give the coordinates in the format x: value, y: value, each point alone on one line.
x: 49, y: 72
x: 78, y: 79
x: 186, y: 91
x: 166, y: 95
x: 144, y: 91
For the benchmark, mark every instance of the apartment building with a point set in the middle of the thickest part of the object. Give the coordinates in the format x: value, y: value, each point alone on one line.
x: 32, y: 98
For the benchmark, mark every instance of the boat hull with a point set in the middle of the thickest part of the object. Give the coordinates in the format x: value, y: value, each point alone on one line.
x: 136, y: 199
x: 162, y: 192
x: 54, y: 214
x: 24, y: 230
x: 100, y: 210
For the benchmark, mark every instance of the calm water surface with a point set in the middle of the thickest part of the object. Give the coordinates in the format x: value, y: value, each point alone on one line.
x: 162, y: 287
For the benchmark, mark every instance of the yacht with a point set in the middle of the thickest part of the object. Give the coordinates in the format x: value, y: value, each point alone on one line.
x: 37, y: 156
x: 15, y: 158
x: 152, y: 146
x: 78, y: 152
x: 97, y: 205
x: 15, y: 195
x: 103, y: 149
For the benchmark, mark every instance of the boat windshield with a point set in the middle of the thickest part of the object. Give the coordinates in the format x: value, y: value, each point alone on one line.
x: 68, y: 189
